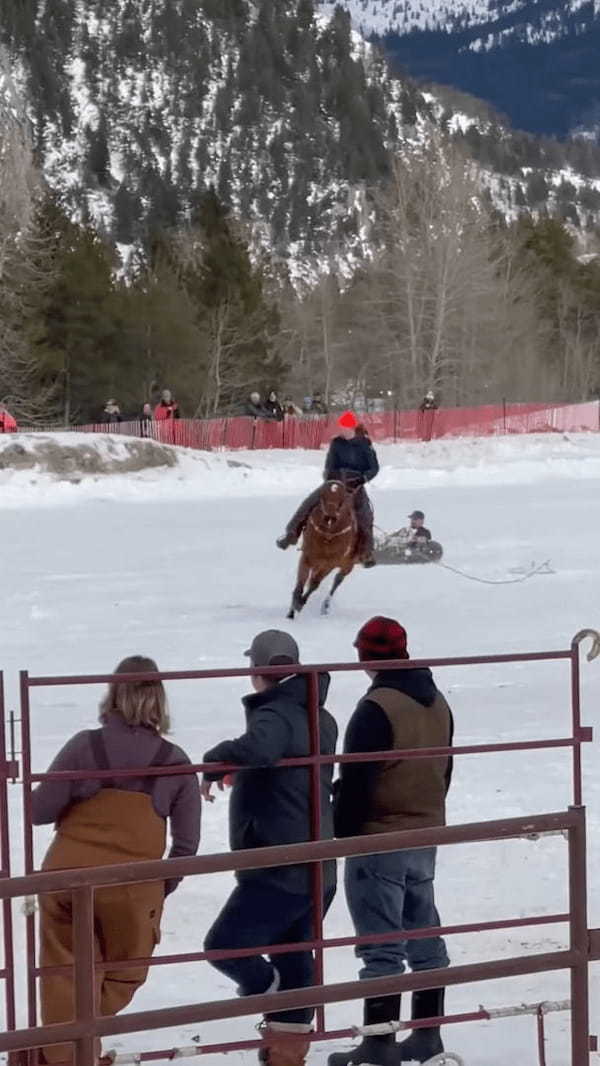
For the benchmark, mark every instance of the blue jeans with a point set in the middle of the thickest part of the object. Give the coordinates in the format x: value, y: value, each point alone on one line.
x: 259, y: 914
x: 393, y: 892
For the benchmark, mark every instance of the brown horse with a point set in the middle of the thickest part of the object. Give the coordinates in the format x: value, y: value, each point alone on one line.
x: 330, y: 542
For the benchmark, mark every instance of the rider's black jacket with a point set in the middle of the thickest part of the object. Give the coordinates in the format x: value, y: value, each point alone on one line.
x: 356, y: 456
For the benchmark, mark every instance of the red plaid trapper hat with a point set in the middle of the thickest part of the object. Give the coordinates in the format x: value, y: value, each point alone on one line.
x: 381, y: 638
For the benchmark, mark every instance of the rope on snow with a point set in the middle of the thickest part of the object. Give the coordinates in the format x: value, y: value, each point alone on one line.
x: 540, y: 568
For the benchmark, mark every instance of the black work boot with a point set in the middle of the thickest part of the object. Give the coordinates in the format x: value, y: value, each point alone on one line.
x: 424, y: 1044
x: 374, y: 1050
x: 286, y: 541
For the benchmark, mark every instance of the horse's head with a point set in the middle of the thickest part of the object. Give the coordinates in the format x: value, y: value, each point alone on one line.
x: 334, y: 496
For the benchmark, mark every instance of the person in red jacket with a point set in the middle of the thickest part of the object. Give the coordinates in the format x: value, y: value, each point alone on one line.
x: 7, y: 422
x: 167, y: 409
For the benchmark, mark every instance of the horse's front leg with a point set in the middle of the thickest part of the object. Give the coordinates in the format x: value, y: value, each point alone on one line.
x: 337, y: 581
x: 315, y: 581
x: 298, y: 599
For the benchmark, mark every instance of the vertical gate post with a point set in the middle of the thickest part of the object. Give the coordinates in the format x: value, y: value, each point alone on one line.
x: 576, y: 718
x: 28, y: 842
x: 84, y: 959
x: 578, y: 930
x: 7, y: 925
x: 315, y: 817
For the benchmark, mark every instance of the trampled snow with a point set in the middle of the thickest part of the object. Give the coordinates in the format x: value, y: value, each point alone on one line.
x: 180, y: 564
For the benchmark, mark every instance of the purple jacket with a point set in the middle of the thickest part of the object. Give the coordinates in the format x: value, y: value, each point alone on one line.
x: 127, y: 747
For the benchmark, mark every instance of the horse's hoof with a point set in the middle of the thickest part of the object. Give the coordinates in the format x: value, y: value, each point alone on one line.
x: 291, y: 614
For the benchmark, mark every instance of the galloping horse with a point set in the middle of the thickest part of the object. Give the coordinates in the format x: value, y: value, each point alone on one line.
x: 330, y: 541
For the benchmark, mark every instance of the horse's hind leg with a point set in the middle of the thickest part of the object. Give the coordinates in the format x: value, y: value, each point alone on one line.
x: 339, y: 577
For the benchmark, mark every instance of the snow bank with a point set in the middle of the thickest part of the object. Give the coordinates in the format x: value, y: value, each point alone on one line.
x: 46, y: 470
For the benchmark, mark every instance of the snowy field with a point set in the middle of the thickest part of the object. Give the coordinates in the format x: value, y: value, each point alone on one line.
x: 180, y: 564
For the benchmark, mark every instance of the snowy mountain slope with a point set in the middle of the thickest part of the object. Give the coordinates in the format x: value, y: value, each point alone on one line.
x: 536, y: 62
x: 381, y: 17
x: 138, y: 107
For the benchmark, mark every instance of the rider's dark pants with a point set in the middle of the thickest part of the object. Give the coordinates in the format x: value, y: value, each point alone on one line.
x: 363, y: 511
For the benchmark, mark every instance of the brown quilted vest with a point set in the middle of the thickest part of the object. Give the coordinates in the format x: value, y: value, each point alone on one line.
x: 411, y: 793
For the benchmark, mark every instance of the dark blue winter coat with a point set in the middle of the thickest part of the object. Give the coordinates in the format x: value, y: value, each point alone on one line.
x: 356, y: 456
x: 269, y: 805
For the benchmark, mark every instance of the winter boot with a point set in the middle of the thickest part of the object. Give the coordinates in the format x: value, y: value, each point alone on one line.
x: 284, y: 1044
x: 286, y: 541
x: 424, y: 1044
x: 374, y: 1050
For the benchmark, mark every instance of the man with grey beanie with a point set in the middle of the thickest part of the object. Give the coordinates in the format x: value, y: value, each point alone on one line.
x: 271, y: 806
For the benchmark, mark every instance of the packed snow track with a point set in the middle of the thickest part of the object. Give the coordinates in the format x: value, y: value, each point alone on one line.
x: 179, y: 563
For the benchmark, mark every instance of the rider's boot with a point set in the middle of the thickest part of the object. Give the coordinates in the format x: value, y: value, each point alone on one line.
x: 286, y: 541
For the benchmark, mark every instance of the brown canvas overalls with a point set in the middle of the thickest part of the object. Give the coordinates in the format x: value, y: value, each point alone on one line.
x: 114, y: 826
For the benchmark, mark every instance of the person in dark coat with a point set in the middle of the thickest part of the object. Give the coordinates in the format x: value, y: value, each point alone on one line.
x: 318, y: 405
x: 111, y: 414
x: 273, y: 407
x: 351, y: 458
x: 254, y: 407
x: 429, y: 402
x: 271, y: 806
x: 388, y: 892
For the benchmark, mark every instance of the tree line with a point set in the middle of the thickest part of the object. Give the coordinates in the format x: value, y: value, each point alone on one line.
x: 448, y: 295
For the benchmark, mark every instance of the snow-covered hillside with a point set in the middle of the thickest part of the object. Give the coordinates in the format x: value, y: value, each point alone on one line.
x: 381, y: 17
x: 534, y: 62
x: 180, y: 564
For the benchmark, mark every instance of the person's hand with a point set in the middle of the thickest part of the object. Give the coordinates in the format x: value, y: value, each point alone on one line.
x: 206, y: 789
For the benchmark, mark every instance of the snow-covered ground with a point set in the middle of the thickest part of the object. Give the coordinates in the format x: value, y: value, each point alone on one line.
x: 180, y: 564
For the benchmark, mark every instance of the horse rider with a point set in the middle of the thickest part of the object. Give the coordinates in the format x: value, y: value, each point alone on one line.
x: 351, y: 459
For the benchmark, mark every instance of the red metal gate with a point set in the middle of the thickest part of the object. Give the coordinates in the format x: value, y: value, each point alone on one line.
x: 573, y: 822
x: 7, y: 770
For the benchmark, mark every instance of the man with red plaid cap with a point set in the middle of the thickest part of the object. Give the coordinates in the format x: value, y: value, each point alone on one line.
x: 394, y: 891
x: 351, y: 458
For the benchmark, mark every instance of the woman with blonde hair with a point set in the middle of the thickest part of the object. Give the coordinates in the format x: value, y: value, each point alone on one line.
x: 114, y: 820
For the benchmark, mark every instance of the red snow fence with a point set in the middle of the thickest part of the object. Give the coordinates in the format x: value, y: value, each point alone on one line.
x: 582, y: 944
x: 314, y: 432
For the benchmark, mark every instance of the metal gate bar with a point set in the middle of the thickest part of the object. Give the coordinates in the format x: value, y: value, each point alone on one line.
x: 83, y: 882
x: 7, y: 973
x: 314, y: 760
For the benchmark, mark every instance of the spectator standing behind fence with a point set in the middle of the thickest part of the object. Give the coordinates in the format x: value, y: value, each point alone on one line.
x: 429, y: 402
x: 290, y: 408
x: 113, y: 821
x: 318, y: 405
x: 8, y: 424
x: 268, y: 807
x: 167, y: 409
x: 111, y: 413
x: 273, y: 407
x: 388, y: 892
x: 146, y: 418
x: 254, y: 407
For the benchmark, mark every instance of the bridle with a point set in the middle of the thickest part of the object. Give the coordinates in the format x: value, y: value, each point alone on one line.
x: 328, y: 520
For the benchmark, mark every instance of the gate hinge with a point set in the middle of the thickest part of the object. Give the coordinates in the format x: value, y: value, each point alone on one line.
x: 11, y: 769
x: 585, y: 734
x: 593, y: 1043
x: 594, y: 945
